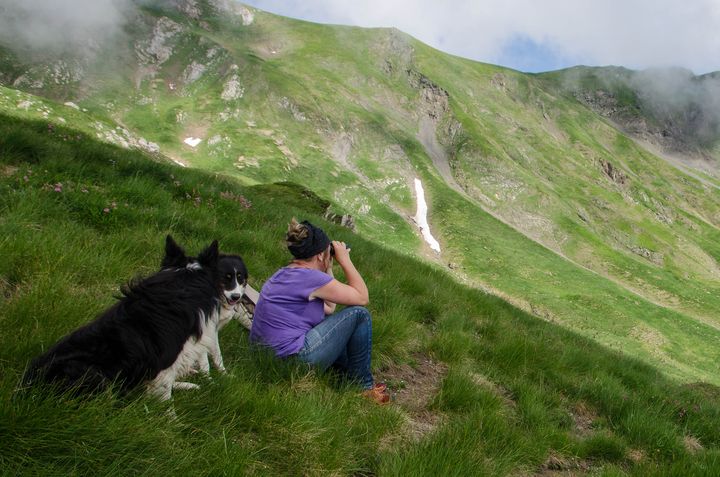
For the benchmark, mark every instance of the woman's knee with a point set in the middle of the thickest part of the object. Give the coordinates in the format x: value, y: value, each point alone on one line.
x: 362, y: 315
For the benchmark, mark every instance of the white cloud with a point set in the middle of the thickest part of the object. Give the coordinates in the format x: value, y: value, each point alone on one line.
x: 633, y: 33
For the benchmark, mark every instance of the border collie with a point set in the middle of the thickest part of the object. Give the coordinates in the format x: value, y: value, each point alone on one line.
x: 233, y: 280
x: 141, y: 337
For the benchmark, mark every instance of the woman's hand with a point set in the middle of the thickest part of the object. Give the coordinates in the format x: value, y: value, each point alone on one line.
x: 354, y: 293
x: 342, y: 253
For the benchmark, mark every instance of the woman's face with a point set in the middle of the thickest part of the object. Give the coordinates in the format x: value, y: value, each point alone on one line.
x: 326, y: 258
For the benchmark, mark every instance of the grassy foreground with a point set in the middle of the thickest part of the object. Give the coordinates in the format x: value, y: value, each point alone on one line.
x: 507, y: 394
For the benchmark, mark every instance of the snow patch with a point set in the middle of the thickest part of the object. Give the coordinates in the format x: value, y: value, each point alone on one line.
x: 421, y: 217
x: 192, y: 141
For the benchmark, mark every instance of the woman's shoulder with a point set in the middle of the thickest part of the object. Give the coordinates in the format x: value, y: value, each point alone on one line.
x: 300, y: 276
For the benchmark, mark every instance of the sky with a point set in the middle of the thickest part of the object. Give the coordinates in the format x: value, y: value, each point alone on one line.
x: 539, y: 35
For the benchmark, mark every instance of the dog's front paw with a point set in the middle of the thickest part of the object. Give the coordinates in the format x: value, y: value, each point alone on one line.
x: 184, y: 385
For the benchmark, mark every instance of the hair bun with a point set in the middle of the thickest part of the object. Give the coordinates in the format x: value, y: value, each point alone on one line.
x: 296, y: 233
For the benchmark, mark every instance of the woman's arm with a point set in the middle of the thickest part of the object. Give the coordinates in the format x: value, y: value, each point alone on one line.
x: 354, y: 293
x: 328, y: 306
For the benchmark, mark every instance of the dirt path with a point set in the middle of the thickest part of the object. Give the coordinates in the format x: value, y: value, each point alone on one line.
x: 414, y: 388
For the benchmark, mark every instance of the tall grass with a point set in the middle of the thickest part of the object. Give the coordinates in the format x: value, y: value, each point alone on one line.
x: 78, y: 218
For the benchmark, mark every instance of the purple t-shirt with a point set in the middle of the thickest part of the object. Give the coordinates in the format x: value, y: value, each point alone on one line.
x: 283, y: 313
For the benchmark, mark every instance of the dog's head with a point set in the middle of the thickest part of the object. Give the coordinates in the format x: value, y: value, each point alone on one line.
x: 175, y: 256
x: 233, y: 278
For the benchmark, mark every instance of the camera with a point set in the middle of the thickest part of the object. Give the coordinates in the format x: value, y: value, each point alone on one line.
x: 332, y: 249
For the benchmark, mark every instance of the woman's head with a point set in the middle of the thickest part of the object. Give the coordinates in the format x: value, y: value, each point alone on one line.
x: 304, y: 240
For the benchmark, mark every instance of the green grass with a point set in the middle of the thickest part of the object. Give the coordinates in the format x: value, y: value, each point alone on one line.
x: 525, y: 152
x: 504, y: 406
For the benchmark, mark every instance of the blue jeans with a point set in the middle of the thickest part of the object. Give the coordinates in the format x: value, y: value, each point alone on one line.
x: 342, y: 340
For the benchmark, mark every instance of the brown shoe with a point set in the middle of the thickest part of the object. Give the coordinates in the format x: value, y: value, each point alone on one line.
x: 377, y: 394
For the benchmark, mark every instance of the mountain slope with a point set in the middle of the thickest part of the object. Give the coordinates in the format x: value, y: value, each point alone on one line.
x: 604, y: 237
x: 482, y: 387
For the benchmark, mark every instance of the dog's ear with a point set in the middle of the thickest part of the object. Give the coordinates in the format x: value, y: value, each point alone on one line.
x: 174, y: 254
x: 209, y: 257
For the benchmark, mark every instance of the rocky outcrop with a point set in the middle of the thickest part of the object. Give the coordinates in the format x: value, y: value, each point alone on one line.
x: 631, y: 119
x: 57, y: 73
x: 613, y: 173
x: 437, y: 128
x: 287, y: 104
x: 158, y: 48
x: 394, y: 51
x: 193, y: 72
x: 435, y: 101
x: 232, y: 89
x: 236, y: 10
x: 655, y: 257
x: 124, y: 138
x: 188, y: 7
x: 345, y: 220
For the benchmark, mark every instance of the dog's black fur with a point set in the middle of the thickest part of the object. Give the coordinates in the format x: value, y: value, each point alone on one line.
x: 143, y: 333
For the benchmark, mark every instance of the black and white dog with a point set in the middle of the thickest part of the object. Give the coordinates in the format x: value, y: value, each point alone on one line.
x: 142, y: 338
x: 233, y: 280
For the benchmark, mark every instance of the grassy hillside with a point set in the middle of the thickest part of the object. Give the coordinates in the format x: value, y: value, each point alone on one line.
x: 603, y: 238
x: 482, y: 387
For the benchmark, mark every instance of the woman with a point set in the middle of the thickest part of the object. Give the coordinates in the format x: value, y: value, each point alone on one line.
x: 295, y: 312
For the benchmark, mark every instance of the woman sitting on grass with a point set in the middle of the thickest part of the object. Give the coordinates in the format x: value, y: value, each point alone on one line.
x: 295, y: 311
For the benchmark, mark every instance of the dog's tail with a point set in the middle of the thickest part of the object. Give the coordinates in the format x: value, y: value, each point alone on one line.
x: 71, y: 376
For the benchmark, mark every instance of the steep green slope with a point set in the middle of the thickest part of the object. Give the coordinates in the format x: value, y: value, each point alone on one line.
x: 483, y: 388
x: 628, y: 245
